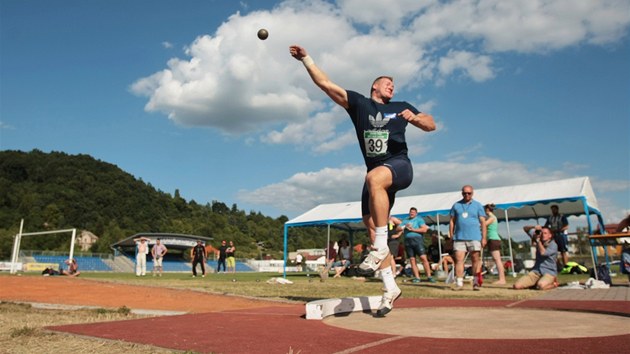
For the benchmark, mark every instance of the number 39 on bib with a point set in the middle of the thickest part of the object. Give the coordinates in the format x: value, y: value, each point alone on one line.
x: 375, y: 142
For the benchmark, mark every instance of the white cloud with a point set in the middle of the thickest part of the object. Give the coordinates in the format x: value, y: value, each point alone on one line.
x: 6, y: 126
x: 611, y: 212
x: 389, y: 15
x: 332, y: 185
x: 427, y: 106
x: 167, y: 44
x: 463, y: 154
x: 304, y: 191
x: 477, y: 67
x: 525, y: 25
x: 340, y: 141
x: 233, y: 82
x: 315, y: 131
x: 307, y: 189
x: 613, y: 185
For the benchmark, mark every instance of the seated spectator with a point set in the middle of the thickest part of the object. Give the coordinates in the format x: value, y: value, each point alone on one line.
x: 543, y: 274
x: 365, y: 250
x: 399, y: 260
x: 343, y: 258
x: 49, y: 271
x: 73, y: 268
x: 434, y: 253
x: 331, y: 256
x: 353, y: 269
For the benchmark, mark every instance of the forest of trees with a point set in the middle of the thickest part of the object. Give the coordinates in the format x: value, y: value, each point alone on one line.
x: 60, y: 191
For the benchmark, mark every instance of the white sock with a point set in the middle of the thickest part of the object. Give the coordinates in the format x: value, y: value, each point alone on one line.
x: 388, y: 279
x: 460, y: 281
x: 380, y: 238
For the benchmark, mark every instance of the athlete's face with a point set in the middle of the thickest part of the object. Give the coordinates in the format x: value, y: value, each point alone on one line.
x: 383, y: 89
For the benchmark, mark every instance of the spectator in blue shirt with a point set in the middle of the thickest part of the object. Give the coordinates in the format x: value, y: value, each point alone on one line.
x: 468, y: 229
x: 543, y: 274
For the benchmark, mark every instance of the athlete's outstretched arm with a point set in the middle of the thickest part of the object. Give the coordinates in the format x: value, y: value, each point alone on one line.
x: 336, y: 93
x: 421, y: 120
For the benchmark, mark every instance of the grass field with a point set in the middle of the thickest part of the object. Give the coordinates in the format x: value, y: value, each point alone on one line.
x: 22, y: 325
x: 308, y: 287
x: 22, y: 331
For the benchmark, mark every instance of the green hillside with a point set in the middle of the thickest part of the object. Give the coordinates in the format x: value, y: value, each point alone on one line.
x: 57, y: 191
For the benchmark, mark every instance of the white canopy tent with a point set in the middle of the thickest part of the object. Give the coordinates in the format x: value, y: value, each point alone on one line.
x: 529, y: 201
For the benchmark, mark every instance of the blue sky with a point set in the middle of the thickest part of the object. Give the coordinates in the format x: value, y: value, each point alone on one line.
x: 184, y: 96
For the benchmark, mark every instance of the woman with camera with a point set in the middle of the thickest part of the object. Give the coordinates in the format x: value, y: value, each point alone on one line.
x: 543, y: 274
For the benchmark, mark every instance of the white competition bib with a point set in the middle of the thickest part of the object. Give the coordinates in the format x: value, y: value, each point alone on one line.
x: 375, y: 142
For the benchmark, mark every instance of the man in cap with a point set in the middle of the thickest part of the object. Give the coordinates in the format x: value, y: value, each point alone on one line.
x: 142, y: 249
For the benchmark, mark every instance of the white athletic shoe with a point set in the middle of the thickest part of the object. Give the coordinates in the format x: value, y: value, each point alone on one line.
x: 373, y: 260
x: 387, y: 303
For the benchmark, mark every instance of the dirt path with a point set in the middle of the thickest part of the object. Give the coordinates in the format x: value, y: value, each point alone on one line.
x: 76, y: 291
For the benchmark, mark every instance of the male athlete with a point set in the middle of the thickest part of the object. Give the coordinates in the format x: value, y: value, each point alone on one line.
x: 380, y: 127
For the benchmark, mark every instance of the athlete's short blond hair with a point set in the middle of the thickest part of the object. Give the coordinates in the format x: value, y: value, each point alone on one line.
x: 377, y: 80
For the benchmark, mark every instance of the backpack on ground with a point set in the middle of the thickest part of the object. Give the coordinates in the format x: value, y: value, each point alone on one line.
x: 603, y: 274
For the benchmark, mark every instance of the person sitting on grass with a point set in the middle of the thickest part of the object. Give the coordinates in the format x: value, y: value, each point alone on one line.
x: 331, y: 255
x: 49, y: 271
x: 440, y: 261
x: 343, y: 258
x: 73, y: 268
x: 543, y: 274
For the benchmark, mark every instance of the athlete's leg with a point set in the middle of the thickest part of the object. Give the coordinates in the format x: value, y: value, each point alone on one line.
x: 392, y: 291
x: 369, y: 225
x: 378, y: 181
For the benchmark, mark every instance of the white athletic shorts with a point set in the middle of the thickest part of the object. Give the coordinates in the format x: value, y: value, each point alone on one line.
x: 469, y: 246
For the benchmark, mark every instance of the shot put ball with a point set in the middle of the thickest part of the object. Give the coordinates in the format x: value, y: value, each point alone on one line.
x: 263, y: 34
